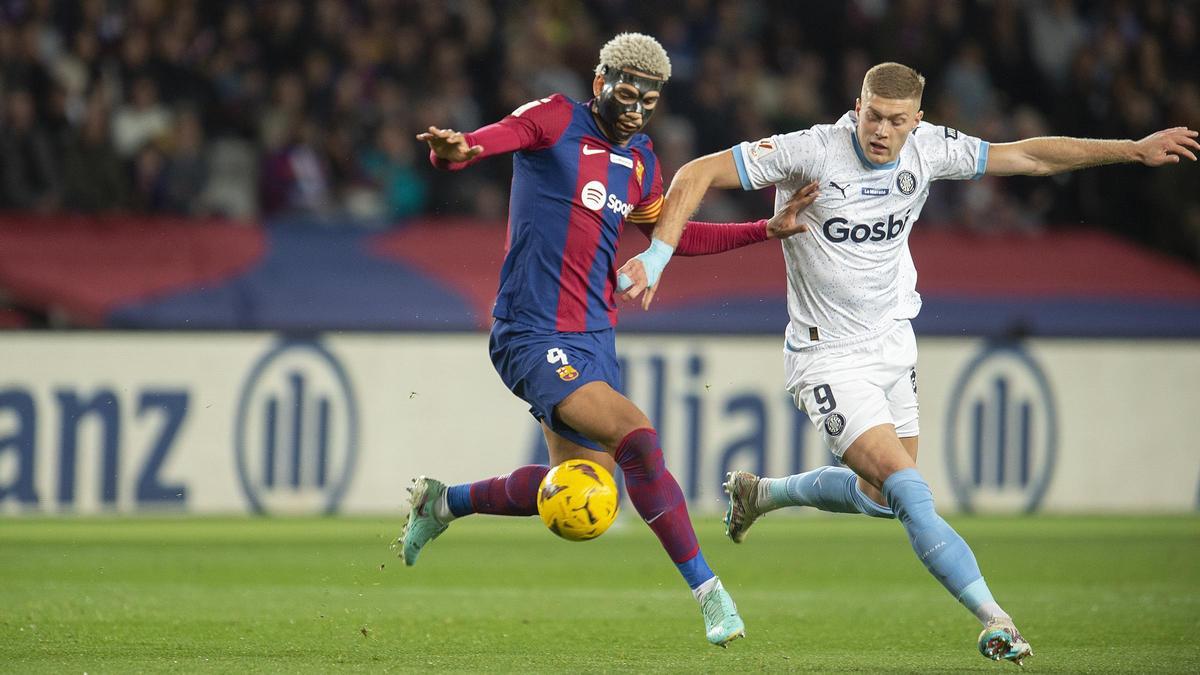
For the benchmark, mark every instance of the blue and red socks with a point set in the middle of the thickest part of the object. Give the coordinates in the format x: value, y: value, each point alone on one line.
x: 652, y: 489
x: 513, y: 494
x: 658, y: 499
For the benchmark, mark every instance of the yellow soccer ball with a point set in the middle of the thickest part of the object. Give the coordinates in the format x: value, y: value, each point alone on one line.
x: 578, y: 500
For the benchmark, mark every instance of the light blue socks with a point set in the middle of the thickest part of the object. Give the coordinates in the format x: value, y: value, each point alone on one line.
x: 829, y: 488
x: 938, y: 546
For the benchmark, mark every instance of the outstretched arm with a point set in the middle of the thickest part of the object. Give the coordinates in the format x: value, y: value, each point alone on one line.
x: 701, y: 238
x: 1049, y: 155
x: 535, y: 125
x: 453, y: 150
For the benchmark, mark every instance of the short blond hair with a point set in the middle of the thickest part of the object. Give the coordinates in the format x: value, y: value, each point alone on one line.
x: 893, y: 80
x: 637, y: 51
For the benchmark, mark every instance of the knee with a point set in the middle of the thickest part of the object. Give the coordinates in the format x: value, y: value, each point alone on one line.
x: 623, y: 426
x: 638, y: 453
x: 890, y: 465
x: 630, y: 420
x: 877, y: 455
x: 602, y: 414
x: 907, y: 493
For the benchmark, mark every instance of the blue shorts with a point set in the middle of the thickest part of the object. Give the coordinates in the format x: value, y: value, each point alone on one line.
x: 544, y: 367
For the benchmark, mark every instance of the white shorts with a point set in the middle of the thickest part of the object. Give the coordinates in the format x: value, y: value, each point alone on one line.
x: 852, y: 385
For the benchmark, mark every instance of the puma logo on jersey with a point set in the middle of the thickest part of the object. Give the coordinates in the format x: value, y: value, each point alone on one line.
x: 839, y: 187
x: 839, y: 230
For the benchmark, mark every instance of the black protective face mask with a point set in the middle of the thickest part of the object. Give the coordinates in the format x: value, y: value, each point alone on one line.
x: 609, y: 109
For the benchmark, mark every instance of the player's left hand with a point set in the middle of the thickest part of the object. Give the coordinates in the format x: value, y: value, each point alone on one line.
x: 1167, y: 146
x: 784, y: 224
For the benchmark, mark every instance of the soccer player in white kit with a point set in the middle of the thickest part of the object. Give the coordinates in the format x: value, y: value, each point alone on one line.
x: 850, y: 352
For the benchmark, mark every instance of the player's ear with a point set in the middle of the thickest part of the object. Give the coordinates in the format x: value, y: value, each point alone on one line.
x: 597, y: 84
x: 857, y: 106
x: 919, y: 116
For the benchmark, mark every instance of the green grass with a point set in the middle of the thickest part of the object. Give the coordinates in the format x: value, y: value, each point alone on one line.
x: 819, y: 594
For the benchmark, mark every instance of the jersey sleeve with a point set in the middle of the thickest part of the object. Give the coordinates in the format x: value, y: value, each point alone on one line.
x: 779, y: 159
x: 951, y: 154
x: 533, y: 126
x: 542, y: 122
x: 701, y: 238
x: 648, y: 210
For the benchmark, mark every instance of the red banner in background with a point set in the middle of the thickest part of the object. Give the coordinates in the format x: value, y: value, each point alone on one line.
x: 86, y: 266
x: 88, y: 269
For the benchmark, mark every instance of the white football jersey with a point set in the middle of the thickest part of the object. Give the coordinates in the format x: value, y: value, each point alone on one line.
x: 852, y: 274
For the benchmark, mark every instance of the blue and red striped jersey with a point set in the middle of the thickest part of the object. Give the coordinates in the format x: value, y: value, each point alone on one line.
x: 572, y: 192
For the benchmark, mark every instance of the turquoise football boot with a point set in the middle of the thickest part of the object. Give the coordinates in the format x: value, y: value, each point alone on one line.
x: 422, y: 525
x: 721, y: 621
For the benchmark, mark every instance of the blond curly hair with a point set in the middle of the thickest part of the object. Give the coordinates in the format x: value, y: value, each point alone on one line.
x: 637, y: 51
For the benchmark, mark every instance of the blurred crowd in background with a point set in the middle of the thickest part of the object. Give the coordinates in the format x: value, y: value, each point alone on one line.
x: 257, y: 110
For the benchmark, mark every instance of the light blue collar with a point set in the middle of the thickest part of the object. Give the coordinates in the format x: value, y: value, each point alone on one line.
x: 862, y: 156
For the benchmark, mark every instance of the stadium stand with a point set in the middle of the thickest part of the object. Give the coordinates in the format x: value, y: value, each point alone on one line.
x: 291, y: 122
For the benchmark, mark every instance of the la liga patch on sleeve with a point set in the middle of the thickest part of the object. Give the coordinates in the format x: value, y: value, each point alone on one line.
x: 762, y: 148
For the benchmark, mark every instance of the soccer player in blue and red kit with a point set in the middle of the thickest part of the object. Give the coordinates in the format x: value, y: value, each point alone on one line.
x: 580, y: 171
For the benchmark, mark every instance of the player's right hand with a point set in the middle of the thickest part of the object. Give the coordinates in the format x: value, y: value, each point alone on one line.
x: 449, y: 144
x: 784, y: 224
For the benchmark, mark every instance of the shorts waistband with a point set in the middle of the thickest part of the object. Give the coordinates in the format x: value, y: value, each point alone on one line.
x: 843, y: 342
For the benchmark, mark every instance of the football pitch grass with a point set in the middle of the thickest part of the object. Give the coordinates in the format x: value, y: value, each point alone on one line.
x: 819, y: 594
